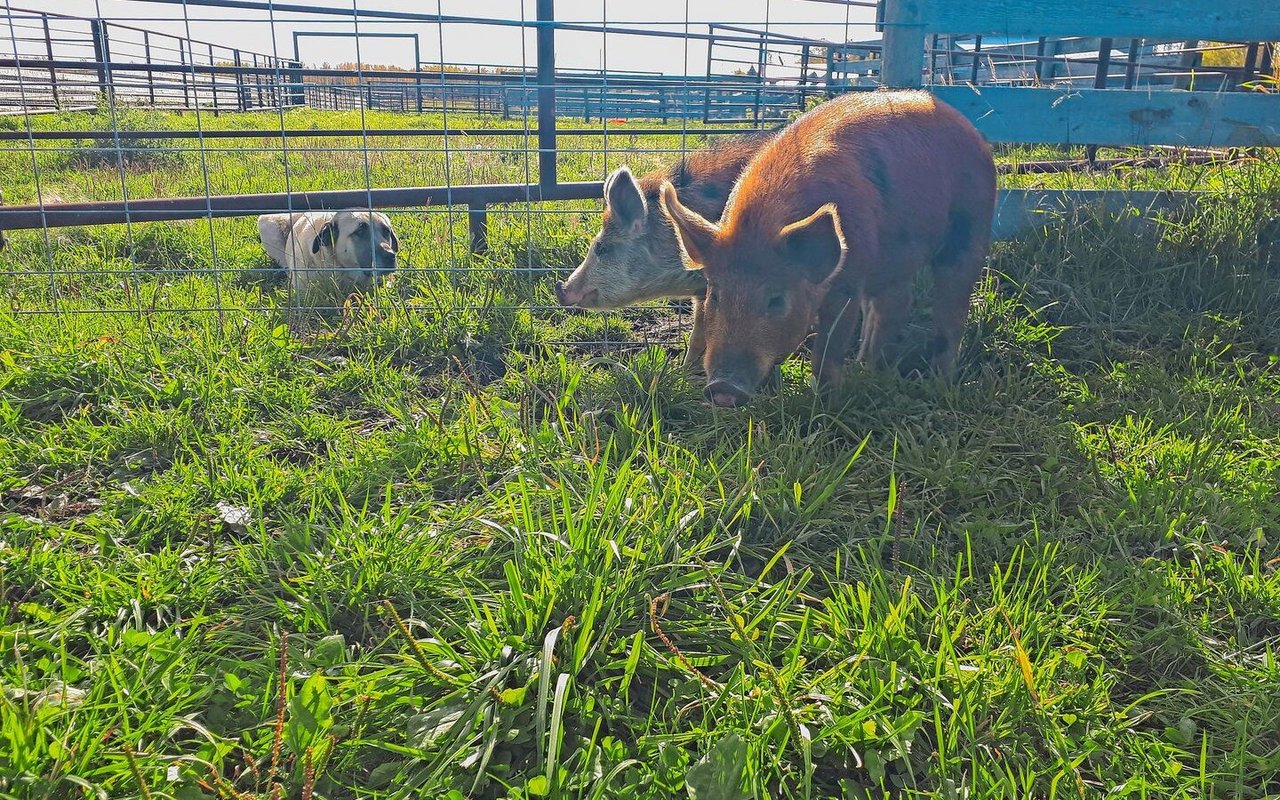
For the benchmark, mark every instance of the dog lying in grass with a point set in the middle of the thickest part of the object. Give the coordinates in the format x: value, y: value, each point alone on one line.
x: 328, y: 255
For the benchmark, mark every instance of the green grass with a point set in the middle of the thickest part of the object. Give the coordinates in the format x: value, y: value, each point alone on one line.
x: 452, y: 548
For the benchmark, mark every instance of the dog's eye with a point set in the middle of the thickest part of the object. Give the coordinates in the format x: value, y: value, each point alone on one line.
x: 361, y: 229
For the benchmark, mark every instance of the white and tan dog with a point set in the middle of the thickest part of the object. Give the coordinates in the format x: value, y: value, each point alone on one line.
x: 330, y: 254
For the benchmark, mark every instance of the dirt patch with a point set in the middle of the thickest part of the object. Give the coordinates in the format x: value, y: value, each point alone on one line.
x: 48, y: 504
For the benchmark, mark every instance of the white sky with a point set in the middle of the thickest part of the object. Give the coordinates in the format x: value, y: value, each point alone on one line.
x: 472, y: 44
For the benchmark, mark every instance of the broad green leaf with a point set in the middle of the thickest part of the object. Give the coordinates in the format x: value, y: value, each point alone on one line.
x: 330, y: 651
x: 310, y: 715
x: 718, y: 774
x: 427, y: 728
x: 538, y: 786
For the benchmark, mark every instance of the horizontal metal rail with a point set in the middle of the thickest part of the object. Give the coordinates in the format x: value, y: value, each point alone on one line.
x: 299, y: 133
x: 109, y: 212
x: 1016, y: 209
x: 275, y: 8
x: 430, y: 79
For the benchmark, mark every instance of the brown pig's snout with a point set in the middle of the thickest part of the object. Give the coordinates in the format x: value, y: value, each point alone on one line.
x: 732, y: 377
x: 726, y: 394
x: 562, y: 294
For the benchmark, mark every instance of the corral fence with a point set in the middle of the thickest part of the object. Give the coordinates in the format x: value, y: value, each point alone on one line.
x: 61, y: 61
x: 64, y: 62
x: 1088, y: 72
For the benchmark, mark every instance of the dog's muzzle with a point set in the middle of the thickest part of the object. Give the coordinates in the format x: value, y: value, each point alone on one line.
x: 385, y: 263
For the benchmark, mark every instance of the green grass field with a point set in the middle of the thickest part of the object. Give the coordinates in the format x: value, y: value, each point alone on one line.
x: 450, y: 546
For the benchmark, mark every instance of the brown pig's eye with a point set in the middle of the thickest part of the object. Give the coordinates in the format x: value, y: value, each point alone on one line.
x: 776, y: 304
x: 603, y: 249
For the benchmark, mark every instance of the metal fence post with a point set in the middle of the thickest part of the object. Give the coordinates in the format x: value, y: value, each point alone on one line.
x: 257, y: 81
x: 417, y: 69
x: 546, y: 93
x: 903, y: 50
x: 804, y: 76
x: 1104, y: 63
x: 761, y: 63
x: 1047, y: 62
x: 1100, y: 82
x: 151, y: 77
x: 1250, y: 62
x: 478, y: 227
x: 831, y: 71
x: 706, y: 88
x: 1131, y: 65
x: 182, y: 56
x: 298, y: 89
x: 101, y: 53
x: 240, y: 99
x: 53, y: 72
x: 213, y: 78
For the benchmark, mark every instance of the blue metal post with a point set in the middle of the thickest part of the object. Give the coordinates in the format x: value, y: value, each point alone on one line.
x: 546, y: 93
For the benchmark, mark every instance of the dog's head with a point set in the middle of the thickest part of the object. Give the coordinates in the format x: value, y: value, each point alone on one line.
x: 360, y: 239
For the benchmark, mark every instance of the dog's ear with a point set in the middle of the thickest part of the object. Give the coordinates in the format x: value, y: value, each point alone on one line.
x: 395, y: 240
x: 326, y: 237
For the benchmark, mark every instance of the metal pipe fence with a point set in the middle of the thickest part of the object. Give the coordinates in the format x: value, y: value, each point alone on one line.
x: 139, y: 151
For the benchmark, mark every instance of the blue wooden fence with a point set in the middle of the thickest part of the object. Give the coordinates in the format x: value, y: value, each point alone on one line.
x: 1077, y: 116
x: 1092, y: 116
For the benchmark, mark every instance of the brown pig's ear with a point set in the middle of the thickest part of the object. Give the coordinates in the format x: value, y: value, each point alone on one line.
x: 815, y: 244
x: 623, y: 198
x: 696, y: 235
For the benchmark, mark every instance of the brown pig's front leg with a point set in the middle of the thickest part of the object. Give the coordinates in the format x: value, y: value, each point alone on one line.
x: 837, y: 323
x: 697, y: 339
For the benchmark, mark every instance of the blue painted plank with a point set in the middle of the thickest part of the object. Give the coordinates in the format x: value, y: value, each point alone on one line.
x: 1242, y: 20
x: 1021, y: 210
x: 1118, y: 117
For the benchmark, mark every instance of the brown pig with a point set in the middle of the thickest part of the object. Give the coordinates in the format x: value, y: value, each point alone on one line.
x: 635, y: 256
x: 830, y: 222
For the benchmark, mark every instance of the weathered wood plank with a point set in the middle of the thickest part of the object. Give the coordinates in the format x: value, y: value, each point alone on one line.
x: 1117, y: 117
x: 903, y: 46
x: 1021, y: 210
x: 1244, y: 20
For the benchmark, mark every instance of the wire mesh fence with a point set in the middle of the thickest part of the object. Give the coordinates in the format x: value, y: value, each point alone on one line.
x: 140, y: 140
x: 141, y: 145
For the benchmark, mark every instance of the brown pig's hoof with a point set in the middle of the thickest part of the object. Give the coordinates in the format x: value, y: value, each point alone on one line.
x: 772, y: 381
x: 830, y: 384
